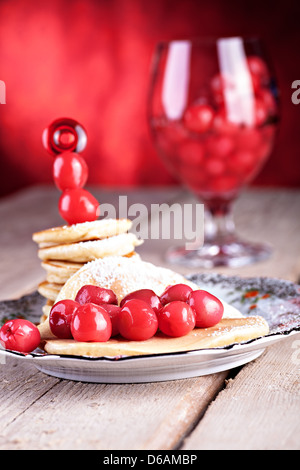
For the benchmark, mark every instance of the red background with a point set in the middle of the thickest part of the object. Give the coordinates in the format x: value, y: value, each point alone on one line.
x: 90, y: 60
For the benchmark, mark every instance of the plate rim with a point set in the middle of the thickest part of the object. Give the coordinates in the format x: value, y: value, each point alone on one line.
x: 113, y: 359
x: 269, y: 338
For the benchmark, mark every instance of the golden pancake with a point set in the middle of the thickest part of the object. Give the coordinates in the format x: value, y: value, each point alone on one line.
x: 228, y: 331
x: 49, y: 290
x: 86, y: 251
x: 95, y: 230
x: 60, y: 271
x: 46, y: 309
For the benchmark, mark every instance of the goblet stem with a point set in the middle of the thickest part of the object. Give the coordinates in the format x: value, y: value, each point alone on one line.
x: 222, y: 246
x: 219, y: 225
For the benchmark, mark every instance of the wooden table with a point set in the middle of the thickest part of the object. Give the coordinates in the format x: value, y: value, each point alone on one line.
x: 253, y: 407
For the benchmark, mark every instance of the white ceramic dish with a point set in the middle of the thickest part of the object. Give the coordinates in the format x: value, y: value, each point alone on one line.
x: 276, y: 300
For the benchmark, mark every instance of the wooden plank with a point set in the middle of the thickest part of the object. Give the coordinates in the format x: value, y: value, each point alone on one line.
x: 21, y: 386
x: 75, y: 415
x: 274, y: 217
x: 259, y: 409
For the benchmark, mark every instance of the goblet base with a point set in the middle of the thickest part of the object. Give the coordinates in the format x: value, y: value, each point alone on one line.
x: 231, y: 252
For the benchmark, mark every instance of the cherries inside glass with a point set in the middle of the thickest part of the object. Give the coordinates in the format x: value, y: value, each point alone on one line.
x: 213, y: 113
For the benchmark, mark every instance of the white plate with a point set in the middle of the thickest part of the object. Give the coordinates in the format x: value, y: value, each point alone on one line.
x: 276, y: 300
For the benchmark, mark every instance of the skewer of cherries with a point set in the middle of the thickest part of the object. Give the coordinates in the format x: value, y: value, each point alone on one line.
x: 64, y: 138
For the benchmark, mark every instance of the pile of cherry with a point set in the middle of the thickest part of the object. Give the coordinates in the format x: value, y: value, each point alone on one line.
x: 64, y: 139
x: 95, y: 315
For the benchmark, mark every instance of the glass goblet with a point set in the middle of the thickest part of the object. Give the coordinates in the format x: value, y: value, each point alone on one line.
x: 213, y: 115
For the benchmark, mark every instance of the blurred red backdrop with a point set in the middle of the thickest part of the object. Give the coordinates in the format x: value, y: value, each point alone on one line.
x: 90, y: 60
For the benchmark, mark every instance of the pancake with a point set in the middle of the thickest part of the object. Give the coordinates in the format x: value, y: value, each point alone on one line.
x: 86, y: 251
x: 60, y: 271
x: 95, y: 230
x: 228, y: 331
x: 49, y: 290
x: 46, y: 309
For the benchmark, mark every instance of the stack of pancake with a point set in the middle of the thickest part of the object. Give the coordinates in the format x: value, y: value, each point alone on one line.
x: 64, y: 250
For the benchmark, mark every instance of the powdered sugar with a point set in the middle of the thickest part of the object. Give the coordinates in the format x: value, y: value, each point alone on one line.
x: 122, y: 275
x: 115, y: 269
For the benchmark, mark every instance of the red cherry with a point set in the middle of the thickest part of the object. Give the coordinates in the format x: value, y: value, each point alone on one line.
x: 70, y: 171
x: 147, y: 295
x: 78, y: 205
x: 269, y: 101
x: 215, y: 166
x: 60, y: 318
x: 220, y: 146
x: 191, y: 153
x: 242, y: 160
x: 223, y: 126
x: 19, y: 335
x: 176, y: 319
x: 137, y: 320
x: 261, y: 112
x: 208, y: 308
x: 91, y: 323
x: 113, y: 311
x: 176, y: 292
x: 95, y: 295
x: 256, y: 83
x: 249, y: 138
x: 199, y: 117
x: 219, y: 85
x: 259, y: 69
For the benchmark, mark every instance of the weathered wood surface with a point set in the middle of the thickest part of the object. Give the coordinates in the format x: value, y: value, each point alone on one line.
x: 256, y: 408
